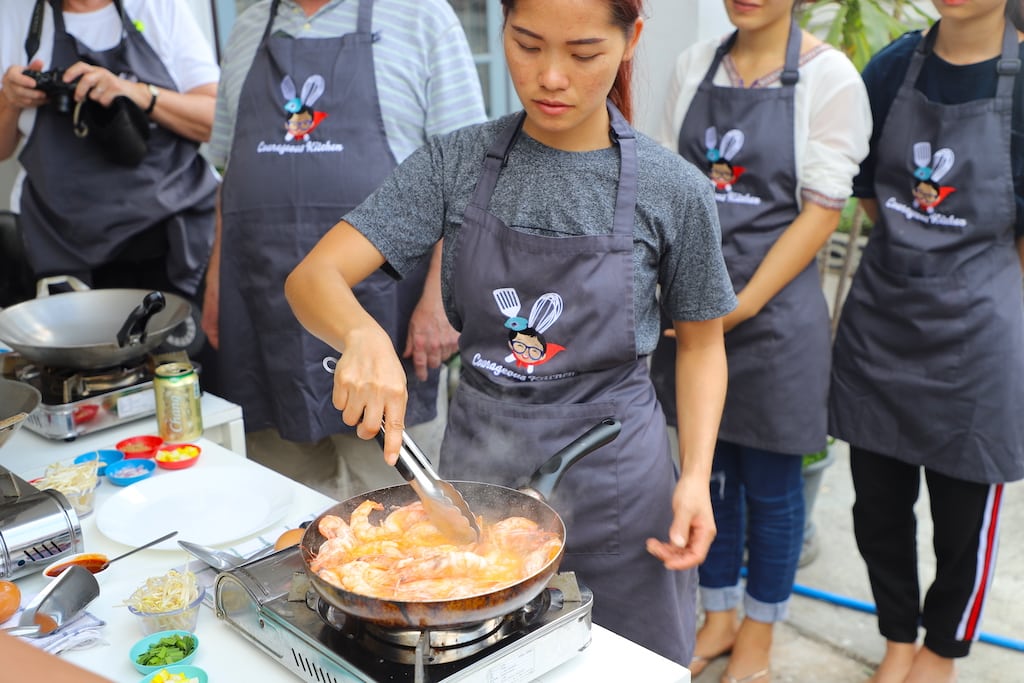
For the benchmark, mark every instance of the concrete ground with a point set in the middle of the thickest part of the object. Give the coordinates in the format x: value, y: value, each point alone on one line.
x: 825, y: 641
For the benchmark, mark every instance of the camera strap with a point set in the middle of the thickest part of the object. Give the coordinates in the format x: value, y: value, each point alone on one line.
x: 35, y: 29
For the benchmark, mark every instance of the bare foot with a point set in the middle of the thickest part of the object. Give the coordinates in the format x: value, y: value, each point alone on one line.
x: 751, y: 653
x: 929, y: 667
x: 896, y: 664
x: 714, y: 639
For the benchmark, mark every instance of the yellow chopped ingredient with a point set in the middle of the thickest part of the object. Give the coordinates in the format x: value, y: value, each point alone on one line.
x: 177, y: 454
x: 164, y: 676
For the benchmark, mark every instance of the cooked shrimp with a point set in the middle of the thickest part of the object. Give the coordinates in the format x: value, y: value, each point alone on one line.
x: 360, y: 521
x: 407, y: 558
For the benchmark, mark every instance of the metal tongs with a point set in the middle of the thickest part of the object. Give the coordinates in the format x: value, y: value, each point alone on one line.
x: 444, y: 504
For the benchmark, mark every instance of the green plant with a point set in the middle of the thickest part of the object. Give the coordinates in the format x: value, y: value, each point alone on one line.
x: 860, y: 28
x: 818, y: 456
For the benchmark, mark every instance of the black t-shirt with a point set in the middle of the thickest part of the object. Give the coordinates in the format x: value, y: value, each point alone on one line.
x: 944, y: 83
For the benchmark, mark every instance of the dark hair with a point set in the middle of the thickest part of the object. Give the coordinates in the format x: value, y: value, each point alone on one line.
x: 624, y: 15
x: 529, y: 332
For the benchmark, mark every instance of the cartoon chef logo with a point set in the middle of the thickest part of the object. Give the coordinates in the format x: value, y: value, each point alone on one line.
x: 721, y: 170
x: 929, y: 170
x: 526, y: 341
x: 300, y: 117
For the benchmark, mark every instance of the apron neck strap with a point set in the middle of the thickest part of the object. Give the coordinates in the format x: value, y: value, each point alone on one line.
x: 625, y: 198
x: 622, y: 134
x: 363, y: 23
x: 1006, y: 68
x: 35, y: 27
x: 790, y: 68
x: 274, y: 4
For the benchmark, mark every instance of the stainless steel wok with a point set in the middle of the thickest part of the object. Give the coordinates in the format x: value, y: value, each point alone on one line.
x: 91, y: 329
x: 490, y: 501
x: 17, y: 400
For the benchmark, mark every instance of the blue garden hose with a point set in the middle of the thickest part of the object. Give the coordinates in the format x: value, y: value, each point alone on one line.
x: 861, y: 606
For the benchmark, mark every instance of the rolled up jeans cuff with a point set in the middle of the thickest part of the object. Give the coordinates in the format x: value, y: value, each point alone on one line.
x: 765, y: 612
x: 721, y: 599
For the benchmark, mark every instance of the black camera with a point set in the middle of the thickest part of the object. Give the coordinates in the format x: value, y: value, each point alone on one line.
x: 61, y: 94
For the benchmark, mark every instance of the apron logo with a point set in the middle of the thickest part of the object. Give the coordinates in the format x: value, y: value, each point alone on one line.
x: 721, y: 170
x: 525, y: 338
x: 928, y: 172
x: 927, y: 193
x: 301, y: 120
x: 300, y: 117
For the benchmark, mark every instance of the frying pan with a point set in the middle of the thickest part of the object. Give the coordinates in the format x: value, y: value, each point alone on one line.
x: 17, y: 400
x: 92, y: 328
x: 491, y: 501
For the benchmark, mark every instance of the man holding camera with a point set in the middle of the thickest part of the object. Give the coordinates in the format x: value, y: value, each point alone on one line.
x: 133, y: 207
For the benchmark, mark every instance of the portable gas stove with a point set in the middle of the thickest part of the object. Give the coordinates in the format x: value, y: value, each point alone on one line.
x: 78, y: 402
x: 272, y: 603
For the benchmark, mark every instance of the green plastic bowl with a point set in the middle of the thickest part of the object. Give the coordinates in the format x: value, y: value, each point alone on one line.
x: 142, y: 646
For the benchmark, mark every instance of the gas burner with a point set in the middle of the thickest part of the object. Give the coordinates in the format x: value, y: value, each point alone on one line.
x: 272, y: 603
x: 431, y: 646
x: 62, y: 385
x: 77, y: 402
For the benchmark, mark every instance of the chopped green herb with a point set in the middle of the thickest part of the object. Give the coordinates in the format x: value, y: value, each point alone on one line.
x: 168, y: 650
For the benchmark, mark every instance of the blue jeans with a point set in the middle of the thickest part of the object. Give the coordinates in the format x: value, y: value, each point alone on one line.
x: 758, y: 502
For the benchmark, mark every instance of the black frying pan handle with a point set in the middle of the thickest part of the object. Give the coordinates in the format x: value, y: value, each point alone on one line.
x: 133, y: 331
x: 547, y: 476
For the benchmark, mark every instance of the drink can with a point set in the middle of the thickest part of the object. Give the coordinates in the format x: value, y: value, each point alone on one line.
x: 178, y: 414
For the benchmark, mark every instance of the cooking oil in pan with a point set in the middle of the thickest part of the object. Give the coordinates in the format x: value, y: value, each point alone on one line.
x: 178, y: 414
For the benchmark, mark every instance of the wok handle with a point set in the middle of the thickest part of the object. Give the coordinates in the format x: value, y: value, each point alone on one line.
x: 133, y: 331
x: 547, y: 476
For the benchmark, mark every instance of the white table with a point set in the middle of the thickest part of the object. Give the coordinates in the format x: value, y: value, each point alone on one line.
x: 224, y: 653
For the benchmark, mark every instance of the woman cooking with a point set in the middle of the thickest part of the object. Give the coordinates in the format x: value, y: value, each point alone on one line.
x: 559, y: 222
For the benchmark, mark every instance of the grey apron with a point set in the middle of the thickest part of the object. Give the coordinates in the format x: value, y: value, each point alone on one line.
x: 309, y: 146
x: 572, y: 361
x: 779, y: 359
x: 928, y: 365
x: 78, y: 210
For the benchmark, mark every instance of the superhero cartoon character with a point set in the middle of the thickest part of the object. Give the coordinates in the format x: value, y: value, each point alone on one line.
x: 930, y: 169
x: 721, y: 170
x: 301, y: 119
x: 526, y: 341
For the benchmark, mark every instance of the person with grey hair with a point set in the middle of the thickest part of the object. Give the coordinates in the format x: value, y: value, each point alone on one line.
x: 319, y: 101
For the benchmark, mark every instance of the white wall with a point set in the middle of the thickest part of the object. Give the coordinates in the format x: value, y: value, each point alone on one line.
x: 672, y: 26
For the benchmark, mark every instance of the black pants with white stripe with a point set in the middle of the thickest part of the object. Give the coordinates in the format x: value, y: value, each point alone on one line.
x: 965, y: 516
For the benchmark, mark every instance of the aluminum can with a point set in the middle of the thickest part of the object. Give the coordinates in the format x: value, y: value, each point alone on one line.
x: 178, y: 414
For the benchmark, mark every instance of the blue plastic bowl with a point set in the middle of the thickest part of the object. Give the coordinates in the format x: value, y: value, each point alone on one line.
x: 143, y: 645
x: 106, y: 457
x: 115, y: 468
x: 189, y: 671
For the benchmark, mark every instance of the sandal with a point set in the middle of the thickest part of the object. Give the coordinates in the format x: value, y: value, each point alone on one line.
x: 699, y: 662
x: 729, y: 678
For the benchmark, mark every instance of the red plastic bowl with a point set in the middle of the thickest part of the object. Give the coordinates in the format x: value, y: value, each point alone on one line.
x: 177, y: 456
x: 139, y: 446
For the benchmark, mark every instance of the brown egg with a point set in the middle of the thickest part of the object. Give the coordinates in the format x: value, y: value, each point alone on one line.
x: 289, y: 538
x: 10, y: 600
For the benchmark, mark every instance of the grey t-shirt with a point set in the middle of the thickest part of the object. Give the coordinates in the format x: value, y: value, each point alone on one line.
x: 676, y: 236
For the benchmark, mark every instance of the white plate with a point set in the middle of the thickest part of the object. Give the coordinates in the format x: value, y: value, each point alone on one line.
x: 205, y: 505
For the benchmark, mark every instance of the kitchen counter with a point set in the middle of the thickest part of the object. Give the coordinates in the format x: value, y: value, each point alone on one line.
x: 224, y: 653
